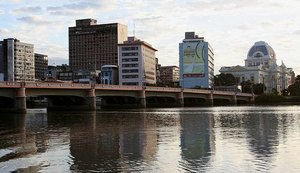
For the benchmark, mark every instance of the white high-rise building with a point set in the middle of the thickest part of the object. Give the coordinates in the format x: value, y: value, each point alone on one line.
x: 16, y: 60
x: 196, y: 62
x: 136, y: 63
x: 261, y: 67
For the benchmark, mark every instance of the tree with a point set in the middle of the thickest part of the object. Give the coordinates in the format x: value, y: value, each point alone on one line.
x: 247, y: 86
x: 224, y: 80
x: 294, y: 90
x: 259, y: 88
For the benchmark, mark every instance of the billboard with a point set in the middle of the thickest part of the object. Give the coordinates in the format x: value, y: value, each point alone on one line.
x: 193, y: 59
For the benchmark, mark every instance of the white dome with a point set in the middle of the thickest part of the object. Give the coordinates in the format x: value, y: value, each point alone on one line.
x: 261, y: 49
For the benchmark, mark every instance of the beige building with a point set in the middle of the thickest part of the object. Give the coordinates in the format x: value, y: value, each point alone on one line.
x: 93, y: 45
x: 169, y: 74
x: 137, y: 63
x: 16, y: 60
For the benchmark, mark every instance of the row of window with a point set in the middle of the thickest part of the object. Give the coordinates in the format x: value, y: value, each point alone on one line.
x: 129, y: 48
x: 130, y: 60
x: 130, y: 65
x: 130, y: 76
x: 130, y: 54
x: 130, y: 71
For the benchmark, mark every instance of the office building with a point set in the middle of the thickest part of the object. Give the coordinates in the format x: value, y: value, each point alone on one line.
x: 169, y: 75
x: 137, y: 64
x: 40, y: 65
x: 93, y: 45
x: 261, y: 67
x: 16, y: 60
x: 196, y: 62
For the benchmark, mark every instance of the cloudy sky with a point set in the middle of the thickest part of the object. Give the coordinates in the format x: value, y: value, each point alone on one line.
x: 231, y: 26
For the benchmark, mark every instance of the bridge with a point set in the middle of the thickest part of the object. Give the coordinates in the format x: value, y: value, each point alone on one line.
x: 74, y: 96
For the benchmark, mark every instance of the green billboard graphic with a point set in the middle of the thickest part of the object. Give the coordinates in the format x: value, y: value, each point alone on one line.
x: 193, y: 59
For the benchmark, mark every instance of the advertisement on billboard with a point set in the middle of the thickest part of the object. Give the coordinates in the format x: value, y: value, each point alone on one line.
x: 193, y: 59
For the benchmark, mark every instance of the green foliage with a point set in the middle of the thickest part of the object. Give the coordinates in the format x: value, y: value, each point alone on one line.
x: 259, y: 88
x: 294, y: 90
x: 224, y: 80
x: 249, y: 87
x: 268, y: 99
x: 246, y: 86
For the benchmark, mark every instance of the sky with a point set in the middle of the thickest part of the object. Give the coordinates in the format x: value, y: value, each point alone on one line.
x: 230, y: 26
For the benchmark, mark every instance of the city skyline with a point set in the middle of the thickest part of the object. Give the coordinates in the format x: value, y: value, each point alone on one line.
x: 231, y: 26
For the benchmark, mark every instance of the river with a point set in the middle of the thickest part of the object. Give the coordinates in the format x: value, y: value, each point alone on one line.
x: 214, y: 139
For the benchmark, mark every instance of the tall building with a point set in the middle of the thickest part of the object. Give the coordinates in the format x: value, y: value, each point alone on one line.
x: 16, y: 60
x: 41, y: 65
x: 92, y: 45
x: 169, y: 75
x: 137, y: 63
x: 196, y: 62
x: 261, y: 67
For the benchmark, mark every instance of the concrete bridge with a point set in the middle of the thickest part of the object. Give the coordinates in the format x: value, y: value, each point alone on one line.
x: 83, y: 96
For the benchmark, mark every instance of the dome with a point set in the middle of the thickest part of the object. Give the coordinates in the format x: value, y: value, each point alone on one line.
x: 261, y: 49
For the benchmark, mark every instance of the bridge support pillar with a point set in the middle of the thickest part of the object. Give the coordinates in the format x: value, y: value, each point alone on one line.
x: 141, y: 99
x: 91, y: 100
x: 210, y: 100
x: 20, y: 100
x: 252, y: 99
x: 234, y: 100
x: 180, y: 99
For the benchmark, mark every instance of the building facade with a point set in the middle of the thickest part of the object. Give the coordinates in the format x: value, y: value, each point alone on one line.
x: 137, y: 63
x: 16, y: 60
x: 93, y: 45
x: 169, y: 75
x: 196, y: 62
x: 40, y: 65
x: 109, y: 75
x: 261, y: 67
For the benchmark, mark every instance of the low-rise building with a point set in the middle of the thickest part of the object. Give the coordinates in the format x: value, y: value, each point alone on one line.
x: 109, y: 75
x: 169, y: 75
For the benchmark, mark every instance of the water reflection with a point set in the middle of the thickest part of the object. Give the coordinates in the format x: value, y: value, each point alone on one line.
x: 197, y: 141
x: 110, y: 141
x: 218, y: 139
x: 16, y: 140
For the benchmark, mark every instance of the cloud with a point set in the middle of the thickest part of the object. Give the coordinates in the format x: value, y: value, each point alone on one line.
x: 229, y: 5
x: 34, y: 20
x: 81, y: 7
x: 29, y: 9
x: 297, y: 32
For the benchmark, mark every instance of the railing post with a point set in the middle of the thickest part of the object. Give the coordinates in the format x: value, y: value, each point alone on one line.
x: 141, y: 99
x: 20, y: 100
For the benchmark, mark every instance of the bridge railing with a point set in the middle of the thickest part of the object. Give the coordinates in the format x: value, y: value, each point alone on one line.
x: 56, y: 85
x: 10, y: 84
x: 199, y: 91
x: 163, y: 89
x: 117, y: 87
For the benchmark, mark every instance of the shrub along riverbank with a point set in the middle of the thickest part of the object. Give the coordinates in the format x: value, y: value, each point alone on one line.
x: 267, y: 99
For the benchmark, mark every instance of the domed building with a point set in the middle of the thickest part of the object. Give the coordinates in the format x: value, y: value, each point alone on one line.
x: 261, y: 67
